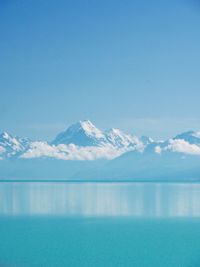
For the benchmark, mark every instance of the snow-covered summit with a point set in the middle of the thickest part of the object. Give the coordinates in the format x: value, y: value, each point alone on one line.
x: 85, y: 133
x: 84, y: 141
x: 82, y: 133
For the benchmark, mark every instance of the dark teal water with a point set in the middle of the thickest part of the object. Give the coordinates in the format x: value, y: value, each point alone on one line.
x: 100, y: 225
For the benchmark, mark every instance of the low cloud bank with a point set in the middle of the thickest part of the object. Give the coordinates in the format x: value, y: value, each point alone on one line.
x: 182, y: 146
x: 72, y: 152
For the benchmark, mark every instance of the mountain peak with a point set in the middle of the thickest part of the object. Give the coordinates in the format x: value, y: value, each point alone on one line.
x: 88, y: 127
x: 85, y: 133
x: 82, y: 133
x: 191, y: 137
x: 85, y: 122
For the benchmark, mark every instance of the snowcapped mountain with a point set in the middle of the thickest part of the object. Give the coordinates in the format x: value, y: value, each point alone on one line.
x: 185, y: 143
x: 83, y: 133
x: 129, y: 157
x: 11, y: 146
x: 175, y: 159
x: 84, y: 141
x: 119, y: 139
x: 190, y: 137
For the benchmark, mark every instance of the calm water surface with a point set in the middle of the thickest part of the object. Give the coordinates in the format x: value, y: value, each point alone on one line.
x: 99, y: 224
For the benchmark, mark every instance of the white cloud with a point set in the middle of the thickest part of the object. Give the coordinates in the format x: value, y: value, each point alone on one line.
x: 158, y: 149
x: 182, y: 146
x: 43, y: 149
x: 197, y: 134
x: 72, y: 152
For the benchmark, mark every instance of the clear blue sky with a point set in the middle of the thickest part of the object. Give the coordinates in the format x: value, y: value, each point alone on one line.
x: 120, y: 63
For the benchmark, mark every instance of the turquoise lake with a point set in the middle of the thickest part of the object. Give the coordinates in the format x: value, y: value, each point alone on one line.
x: 99, y: 224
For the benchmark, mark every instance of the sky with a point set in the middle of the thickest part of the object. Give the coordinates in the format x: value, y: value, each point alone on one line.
x: 130, y: 64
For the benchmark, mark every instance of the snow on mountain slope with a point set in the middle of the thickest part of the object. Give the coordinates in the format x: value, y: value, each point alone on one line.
x: 129, y: 157
x: 83, y: 133
x: 121, y: 140
x: 83, y: 141
x: 190, y: 137
x: 186, y: 143
x: 11, y: 146
x: 176, y: 158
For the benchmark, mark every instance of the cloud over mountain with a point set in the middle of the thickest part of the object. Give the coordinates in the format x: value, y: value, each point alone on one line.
x: 84, y: 141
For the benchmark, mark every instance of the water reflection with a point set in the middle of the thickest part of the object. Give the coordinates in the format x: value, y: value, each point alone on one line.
x: 100, y: 199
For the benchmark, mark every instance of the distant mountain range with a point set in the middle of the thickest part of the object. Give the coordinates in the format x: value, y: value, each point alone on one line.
x: 83, y: 150
x: 81, y: 141
x: 84, y: 141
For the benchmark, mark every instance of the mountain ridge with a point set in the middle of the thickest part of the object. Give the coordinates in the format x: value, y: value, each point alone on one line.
x: 84, y: 141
